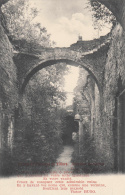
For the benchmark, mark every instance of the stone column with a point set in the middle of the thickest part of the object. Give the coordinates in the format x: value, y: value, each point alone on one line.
x: 81, y: 133
x: 11, y: 133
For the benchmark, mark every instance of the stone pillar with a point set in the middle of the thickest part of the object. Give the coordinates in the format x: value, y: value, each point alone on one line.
x: 92, y: 117
x: 10, y: 138
x: 81, y: 133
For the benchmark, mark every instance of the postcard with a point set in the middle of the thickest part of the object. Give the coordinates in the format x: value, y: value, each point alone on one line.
x: 62, y: 97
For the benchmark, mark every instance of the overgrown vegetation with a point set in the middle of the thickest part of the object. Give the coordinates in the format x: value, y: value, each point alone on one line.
x: 38, y: 128
x: 20, y: 23
x: 85, y: 158
x: 38, y: 117
x: 102, y: 16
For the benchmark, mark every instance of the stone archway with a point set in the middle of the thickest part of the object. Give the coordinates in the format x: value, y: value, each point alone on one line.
x: 49, y: 62
x: 93, y: 60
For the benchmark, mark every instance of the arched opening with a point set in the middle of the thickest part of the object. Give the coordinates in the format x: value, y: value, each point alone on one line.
x: 38, y: 130
x: 46, y: 63
x: 93, y: 95
x: 93, y: 85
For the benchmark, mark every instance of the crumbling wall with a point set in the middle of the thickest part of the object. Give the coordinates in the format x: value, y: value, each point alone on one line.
x: 8, y: 90
x: 106, y: 143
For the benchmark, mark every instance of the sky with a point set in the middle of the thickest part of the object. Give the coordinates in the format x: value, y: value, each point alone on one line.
x: 65, y: 20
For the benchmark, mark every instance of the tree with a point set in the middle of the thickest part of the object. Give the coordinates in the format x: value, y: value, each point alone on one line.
x: 2, y: 2
x: 101, y: 14
x: 20, y: 23
x: 43, y: 114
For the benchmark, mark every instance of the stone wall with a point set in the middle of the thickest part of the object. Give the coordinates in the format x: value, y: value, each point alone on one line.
x: 106, y: 135
x: 85, y: 46
x: 114, y: 70
x: 8, y: 91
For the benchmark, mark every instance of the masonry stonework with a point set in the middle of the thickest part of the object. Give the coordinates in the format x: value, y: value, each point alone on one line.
x: 106, y: 135
x: 8, y: 91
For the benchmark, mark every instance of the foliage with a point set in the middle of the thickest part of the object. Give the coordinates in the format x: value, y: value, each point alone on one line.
x: 101, y: 14
x: 88, y: 159
x: 20, y: 22
x: 39, y: 127
x: 38, y: 140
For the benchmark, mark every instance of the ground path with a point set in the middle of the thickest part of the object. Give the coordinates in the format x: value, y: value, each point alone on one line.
x: 63, y: 162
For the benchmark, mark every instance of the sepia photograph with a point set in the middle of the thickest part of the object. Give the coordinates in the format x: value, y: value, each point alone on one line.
x: 62, y: 95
